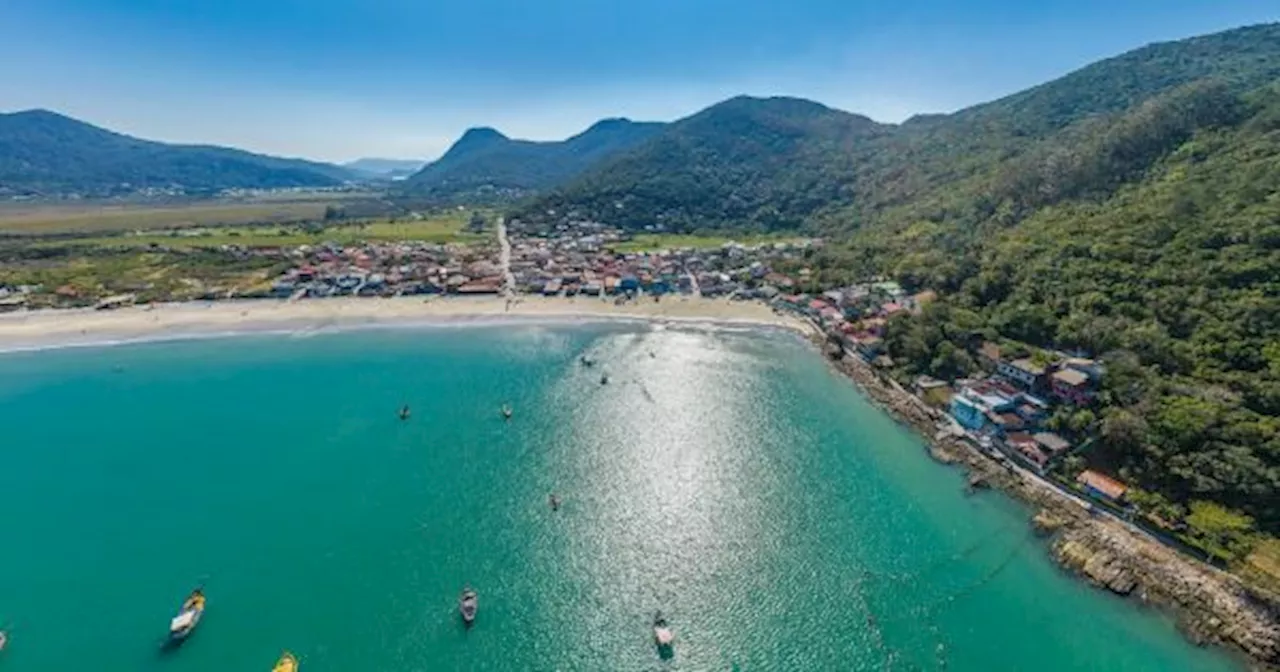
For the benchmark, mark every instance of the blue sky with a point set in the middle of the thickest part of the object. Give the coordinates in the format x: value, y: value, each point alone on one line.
x: 339, y: 79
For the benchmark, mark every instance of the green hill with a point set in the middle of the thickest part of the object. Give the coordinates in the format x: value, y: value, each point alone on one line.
x: 45, y: 153
x: 487, y: 165
x: 1130, y: 209
x: 769, y: 163
x: 762, y: 163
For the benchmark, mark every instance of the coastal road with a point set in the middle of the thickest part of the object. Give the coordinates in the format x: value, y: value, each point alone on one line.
x: 504, y: 259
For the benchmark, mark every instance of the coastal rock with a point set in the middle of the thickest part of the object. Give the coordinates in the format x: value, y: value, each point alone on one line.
x: 1103, y: 567
x: 1212, y: 607
x: 1046, y: 522
x: 1108, y: 570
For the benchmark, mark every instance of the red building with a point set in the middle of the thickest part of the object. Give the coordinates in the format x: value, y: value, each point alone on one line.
x: 1072, y: 387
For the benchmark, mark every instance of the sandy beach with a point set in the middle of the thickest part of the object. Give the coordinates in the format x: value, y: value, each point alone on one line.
x: 60, y: 328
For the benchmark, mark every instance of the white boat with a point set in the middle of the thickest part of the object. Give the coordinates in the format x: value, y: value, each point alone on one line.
x: 188, y: 617
x: 468, y: 603
x: 662, y: 633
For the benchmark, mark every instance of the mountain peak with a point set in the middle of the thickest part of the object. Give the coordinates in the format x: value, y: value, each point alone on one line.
x: 609, y: 124
x: 481, y: 134
x: 41, y: 115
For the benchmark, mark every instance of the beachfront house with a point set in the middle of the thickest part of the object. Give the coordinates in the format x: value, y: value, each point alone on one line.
x: 968, y: 413
x: 1024, y: 447
x: 1102, y: 487
x: 1051, y: 444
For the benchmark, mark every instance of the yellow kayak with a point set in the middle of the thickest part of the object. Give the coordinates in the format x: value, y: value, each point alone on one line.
x: 287, y: 663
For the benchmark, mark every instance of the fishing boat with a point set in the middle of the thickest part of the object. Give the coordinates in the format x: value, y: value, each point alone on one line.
x: 287, y: 663
x: 468, y: 602
x: 662, y: 634
x: 188, y: 617
x: 506, y: 411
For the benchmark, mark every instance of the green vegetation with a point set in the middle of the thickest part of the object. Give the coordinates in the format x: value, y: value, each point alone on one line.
x: 1262, y: 566
x: 194, y: 263
x: 79, y: 277
x: 99, y: 218
x: 759, y: 165
x: 1174, y: 279
x: 46, y: 153
x: 1128, y: 210
x: 485, y: 165
x: 449, y: 228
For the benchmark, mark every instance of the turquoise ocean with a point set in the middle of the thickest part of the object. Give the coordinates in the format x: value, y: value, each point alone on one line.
x: 726, y: 477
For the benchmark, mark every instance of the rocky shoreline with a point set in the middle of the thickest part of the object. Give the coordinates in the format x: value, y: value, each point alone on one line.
x: 1212, y: 607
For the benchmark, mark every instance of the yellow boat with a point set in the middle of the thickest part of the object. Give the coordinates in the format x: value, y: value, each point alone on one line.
x: 287, y: 663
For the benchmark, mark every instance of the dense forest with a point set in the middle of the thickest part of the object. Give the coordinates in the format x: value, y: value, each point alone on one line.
x: 1130, y: 210
x: 46, y: 154
x: 485, y: 165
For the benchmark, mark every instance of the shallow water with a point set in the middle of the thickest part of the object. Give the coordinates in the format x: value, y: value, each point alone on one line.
x: 725, y: 477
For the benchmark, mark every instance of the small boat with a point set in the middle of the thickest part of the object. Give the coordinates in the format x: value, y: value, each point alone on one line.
x: 287, y: 663
x: 404, y: 412
x: 662, y: 634
x: 188, y: 617
x: 468, y: 602
x: 604, y: 379
x: 4, y: 639
x: 587, y: 361
x: 554, y: 501
x: 506, y: 411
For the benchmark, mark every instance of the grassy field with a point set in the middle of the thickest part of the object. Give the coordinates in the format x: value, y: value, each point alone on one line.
x: 99, y: 218
x: 649, y: 242
x: 448, y: 228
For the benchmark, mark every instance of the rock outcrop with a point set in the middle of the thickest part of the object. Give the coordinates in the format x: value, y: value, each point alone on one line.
x: 1213, y: 607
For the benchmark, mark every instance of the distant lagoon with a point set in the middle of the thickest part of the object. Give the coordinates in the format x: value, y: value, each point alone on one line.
x: 724, y: 476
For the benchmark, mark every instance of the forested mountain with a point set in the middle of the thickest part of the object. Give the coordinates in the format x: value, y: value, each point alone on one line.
x: 45, y: 153
x: 1174, y: 279
x: 763, y: 163
x: 484, y: 163
x: 835, y: 159
x: 1130, y: 210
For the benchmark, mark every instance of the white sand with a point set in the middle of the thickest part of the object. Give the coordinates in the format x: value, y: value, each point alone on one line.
x: 56, y: 328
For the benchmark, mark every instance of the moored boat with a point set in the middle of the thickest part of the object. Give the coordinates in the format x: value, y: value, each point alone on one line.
x: 287, y: 663
x: 188, y: 617
x: 662, y: 634
x: 468, y: 603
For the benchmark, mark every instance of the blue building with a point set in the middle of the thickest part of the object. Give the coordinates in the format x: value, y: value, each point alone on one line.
x: 967, y: 413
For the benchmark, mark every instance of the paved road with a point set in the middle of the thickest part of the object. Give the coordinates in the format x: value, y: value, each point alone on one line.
x: 504, y: 260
